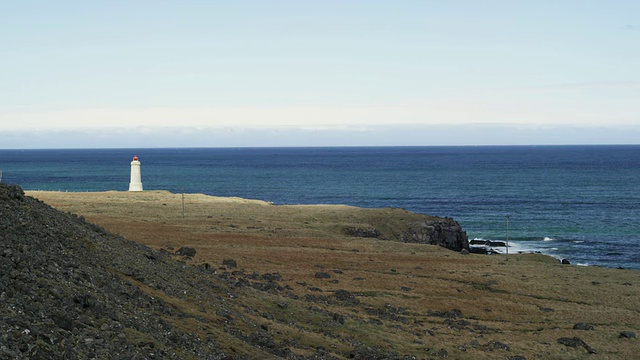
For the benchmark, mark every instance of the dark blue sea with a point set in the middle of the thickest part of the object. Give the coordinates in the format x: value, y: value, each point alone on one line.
x: 576, y: 202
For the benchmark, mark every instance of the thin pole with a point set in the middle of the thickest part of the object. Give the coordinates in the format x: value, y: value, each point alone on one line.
x: 507, y: 248
x: 182, y: 204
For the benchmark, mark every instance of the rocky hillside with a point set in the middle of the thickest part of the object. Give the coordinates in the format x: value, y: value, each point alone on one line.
x: 70, y: 290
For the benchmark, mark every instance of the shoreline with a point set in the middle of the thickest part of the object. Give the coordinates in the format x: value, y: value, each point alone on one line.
x: 212, y: 198
x: 397, y: 292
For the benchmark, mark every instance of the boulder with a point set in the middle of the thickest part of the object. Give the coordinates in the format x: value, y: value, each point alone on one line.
x: 576, y: 342
x: 322, y: 275
x: 627, y: 335
x: 186, y: 251
x: 230, y: 263
x: 582, y: 326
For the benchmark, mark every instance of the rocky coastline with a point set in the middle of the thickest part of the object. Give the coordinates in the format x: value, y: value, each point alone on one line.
x: 222, y: 283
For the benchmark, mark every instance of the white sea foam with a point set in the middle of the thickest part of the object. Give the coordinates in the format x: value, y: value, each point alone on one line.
x: 516, y: 247
x: 578, y: 241
x: 546, y: 238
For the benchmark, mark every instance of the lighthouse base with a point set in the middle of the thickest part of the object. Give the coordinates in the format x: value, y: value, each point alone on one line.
x: 135, y: 187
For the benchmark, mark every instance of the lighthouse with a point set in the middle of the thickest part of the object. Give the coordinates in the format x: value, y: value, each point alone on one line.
x: 136, y: 178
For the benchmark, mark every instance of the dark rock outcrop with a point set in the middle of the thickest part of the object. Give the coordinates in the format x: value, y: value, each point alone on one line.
x: 583, y: 326
x: 322, y: 275
x: 576, y: 342
x: 230, y: 263
x: 444, y: 232
x: 186, y: 251
x: 363, y: 233
x: 627, y: 335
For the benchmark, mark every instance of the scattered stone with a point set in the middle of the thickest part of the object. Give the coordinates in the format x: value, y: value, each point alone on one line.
x: 322, y: 275
x: 451, y: 314
x: 576, y: 342
x: 517, y: 357
x: 495, y: 345
x: 230, y: 263
x: 283, y: 305
x: 271, y: 276
x: 339, y: 318
x: 346, y: 298
x: 440, y: 353
x: 627, y: 335
x: 186, y: 251
x: 457, y: 324
x: 363, y: 233
x: 547, y: 310
x: 582, y: 326
x: 63, y: 322
x: 263, y: 339
x: 389, y: 312
x: 464, y: 252
x: 405, y: 289
x: 372, y: 353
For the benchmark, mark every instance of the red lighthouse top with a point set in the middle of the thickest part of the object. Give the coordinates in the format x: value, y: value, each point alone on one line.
x: 135, y: 158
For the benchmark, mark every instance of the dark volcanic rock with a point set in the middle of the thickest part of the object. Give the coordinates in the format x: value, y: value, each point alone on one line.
x: 373, y: 353
x: 495, y: 345
x: 582, y: 326
x: 445, y: 232
x: 451, y: 314
x: 363, y: 233
x: 186, y: 251
x: 627, y: 334
x: 322, y: 275
x: 230, y: 263
x: 346, y: 298
x: 440, y: 353
x: 576, y: 342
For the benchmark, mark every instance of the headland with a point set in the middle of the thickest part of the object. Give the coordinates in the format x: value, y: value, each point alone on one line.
x: 338, y: 282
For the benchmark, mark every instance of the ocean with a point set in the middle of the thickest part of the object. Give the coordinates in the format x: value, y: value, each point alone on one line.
x: 581, y: 203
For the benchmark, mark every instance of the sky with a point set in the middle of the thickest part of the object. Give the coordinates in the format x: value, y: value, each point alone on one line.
x: 136, y: 73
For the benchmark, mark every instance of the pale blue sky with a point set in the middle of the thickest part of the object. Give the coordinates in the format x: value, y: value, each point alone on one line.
x: 290, y: 73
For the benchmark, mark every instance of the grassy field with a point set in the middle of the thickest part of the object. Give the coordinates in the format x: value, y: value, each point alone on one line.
x: 411, y: 299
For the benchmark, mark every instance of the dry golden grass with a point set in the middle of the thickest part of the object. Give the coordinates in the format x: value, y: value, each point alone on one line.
x: 527, y: 301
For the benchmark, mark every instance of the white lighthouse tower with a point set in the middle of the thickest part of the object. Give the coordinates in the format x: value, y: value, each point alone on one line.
x: 136, y: 178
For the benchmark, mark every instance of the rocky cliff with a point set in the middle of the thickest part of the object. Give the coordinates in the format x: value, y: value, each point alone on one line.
x: 444, y: 232
x: 421, y: 229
